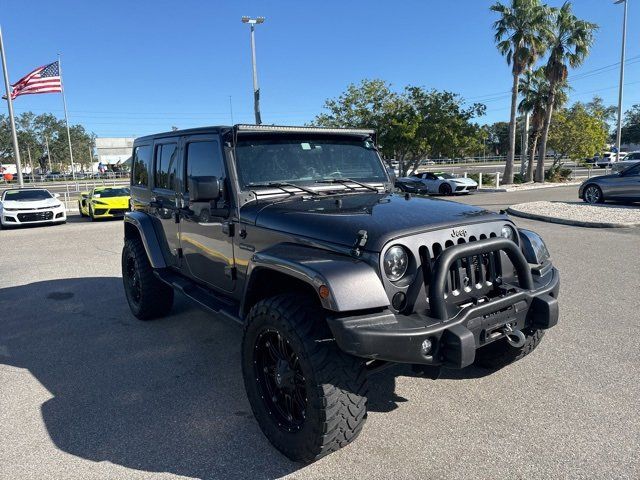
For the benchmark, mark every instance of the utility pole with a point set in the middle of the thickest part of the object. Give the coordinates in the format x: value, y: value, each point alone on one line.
x: 30, y: 162
x: 12, y: 122
x: 621, y: 87
x: 46, y: 142
x: 256, y: 90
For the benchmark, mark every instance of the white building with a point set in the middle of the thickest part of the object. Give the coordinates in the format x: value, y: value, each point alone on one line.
x: 112, y: 150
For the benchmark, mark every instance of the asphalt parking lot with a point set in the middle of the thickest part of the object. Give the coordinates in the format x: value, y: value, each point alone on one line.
x: 89, y: 392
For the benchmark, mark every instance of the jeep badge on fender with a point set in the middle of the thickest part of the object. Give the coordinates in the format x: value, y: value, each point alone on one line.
x: 296, y: 234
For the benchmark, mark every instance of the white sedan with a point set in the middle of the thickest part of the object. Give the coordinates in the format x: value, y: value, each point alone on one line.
x: 445, y: 183
x: 28, y: 206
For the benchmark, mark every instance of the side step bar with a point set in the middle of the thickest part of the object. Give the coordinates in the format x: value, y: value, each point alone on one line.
x: 200, y: 295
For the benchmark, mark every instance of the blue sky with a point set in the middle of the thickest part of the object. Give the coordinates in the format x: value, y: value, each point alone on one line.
x: 130, y: 69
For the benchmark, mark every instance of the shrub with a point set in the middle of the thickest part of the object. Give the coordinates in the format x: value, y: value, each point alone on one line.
x: 488, y: 179
x: 518, y: 178
x: 557, y: 173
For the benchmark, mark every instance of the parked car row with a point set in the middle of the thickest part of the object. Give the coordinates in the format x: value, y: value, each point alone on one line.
x: 29, y: 206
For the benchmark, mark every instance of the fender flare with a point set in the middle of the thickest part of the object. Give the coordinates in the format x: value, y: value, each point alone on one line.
x: 144, y: 225
x: 353, y: 284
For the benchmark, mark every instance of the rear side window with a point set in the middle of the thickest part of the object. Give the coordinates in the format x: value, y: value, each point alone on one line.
x: 141, y: 165
x: 204, y: 159
x: 165, y: 166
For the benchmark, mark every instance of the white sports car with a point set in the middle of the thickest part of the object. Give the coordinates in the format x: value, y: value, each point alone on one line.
x: 445, y: 183
x: 27, y: 206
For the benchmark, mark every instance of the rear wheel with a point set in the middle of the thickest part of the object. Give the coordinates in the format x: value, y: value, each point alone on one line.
x: 308, y: 396
x: 148, y: 297
x: 500, y: 353
x: 445, y: 189
x: 593, y: 194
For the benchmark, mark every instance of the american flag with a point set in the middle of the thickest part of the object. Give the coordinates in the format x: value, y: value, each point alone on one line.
x: 44, y: 79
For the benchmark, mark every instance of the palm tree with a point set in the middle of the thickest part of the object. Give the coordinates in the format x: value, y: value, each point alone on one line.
x: 569, y: 46
x: 521, y: 34
x: 535, y: 88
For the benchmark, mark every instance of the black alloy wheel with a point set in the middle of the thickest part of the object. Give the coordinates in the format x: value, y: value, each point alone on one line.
x: 280, y: 379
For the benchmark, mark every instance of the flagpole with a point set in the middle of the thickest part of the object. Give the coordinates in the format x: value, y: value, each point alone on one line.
x: 66, y: 119
x: 14, y: 136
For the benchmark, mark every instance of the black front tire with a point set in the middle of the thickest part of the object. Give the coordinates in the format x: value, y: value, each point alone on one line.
x: 148, y: 296
x: 334, y: 383
x: 499, y: 354
x: 82, y: 214
x: 445, y: 189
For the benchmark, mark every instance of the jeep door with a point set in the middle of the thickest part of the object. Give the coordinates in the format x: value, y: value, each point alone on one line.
x: 165, y: 196
x: 204, y: 233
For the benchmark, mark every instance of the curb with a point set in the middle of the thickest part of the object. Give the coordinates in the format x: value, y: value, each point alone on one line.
x: 528, y: 187
x: 575, y: 223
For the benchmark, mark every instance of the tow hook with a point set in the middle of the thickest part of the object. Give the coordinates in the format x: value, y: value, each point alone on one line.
x: 515, y: 337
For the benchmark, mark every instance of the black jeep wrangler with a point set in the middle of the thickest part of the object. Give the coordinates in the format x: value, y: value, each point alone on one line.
x: 295, y: 234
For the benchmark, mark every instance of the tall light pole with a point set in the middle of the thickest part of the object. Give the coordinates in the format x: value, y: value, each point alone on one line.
x: 621, y: 88
x: 12, y: 122
x: 256, y: 90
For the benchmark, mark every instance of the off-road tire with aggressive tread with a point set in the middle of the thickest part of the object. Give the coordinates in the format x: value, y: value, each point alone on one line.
x: 500, y: 354
x: 156, y: 297
x: 336, y: 382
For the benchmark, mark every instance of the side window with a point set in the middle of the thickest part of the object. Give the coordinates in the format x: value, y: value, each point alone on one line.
x: 633, y: 171
x: 141, y: 165
x: 204, y: 159
x: 165, y: 166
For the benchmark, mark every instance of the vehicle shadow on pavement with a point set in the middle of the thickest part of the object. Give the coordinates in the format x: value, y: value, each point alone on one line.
x: 159, y: 396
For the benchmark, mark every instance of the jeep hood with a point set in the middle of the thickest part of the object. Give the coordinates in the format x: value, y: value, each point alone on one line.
x: 338, y: 219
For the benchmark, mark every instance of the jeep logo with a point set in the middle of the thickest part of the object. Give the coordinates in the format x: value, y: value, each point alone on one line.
x: 461, y: 232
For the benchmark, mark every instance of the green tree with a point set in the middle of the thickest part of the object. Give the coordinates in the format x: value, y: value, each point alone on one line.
x: 534, y: 101
x: 34, y: 131
x: 577, y: 132
x: 631, y: 127
x: 410, y: 125
x: 498, y: 138
x: 520, y: 34
x: 570, y: 45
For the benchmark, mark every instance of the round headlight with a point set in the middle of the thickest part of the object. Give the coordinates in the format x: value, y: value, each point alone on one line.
x: 509, y: 233
x: 396, y: 262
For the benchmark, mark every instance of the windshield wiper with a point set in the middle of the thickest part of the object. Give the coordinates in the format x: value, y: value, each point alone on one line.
x: 344, y: 181
x: 283, y: 184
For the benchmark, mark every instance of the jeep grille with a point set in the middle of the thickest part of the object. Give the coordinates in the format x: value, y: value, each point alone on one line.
x: 469, y: 277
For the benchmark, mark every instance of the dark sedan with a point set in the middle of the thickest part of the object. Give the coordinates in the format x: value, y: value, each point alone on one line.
x: 623, y: 186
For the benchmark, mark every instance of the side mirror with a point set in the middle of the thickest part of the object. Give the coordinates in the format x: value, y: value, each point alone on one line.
x: 57, y: 195
x: 204, y: 189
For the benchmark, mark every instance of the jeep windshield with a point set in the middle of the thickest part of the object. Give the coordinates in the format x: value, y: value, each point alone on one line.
x: 307, y: 162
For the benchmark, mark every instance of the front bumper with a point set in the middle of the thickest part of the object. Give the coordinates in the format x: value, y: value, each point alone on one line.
x: 454, y: 341
x: 16, y: 218
x: 105, y: 211
x: 465, y: 188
